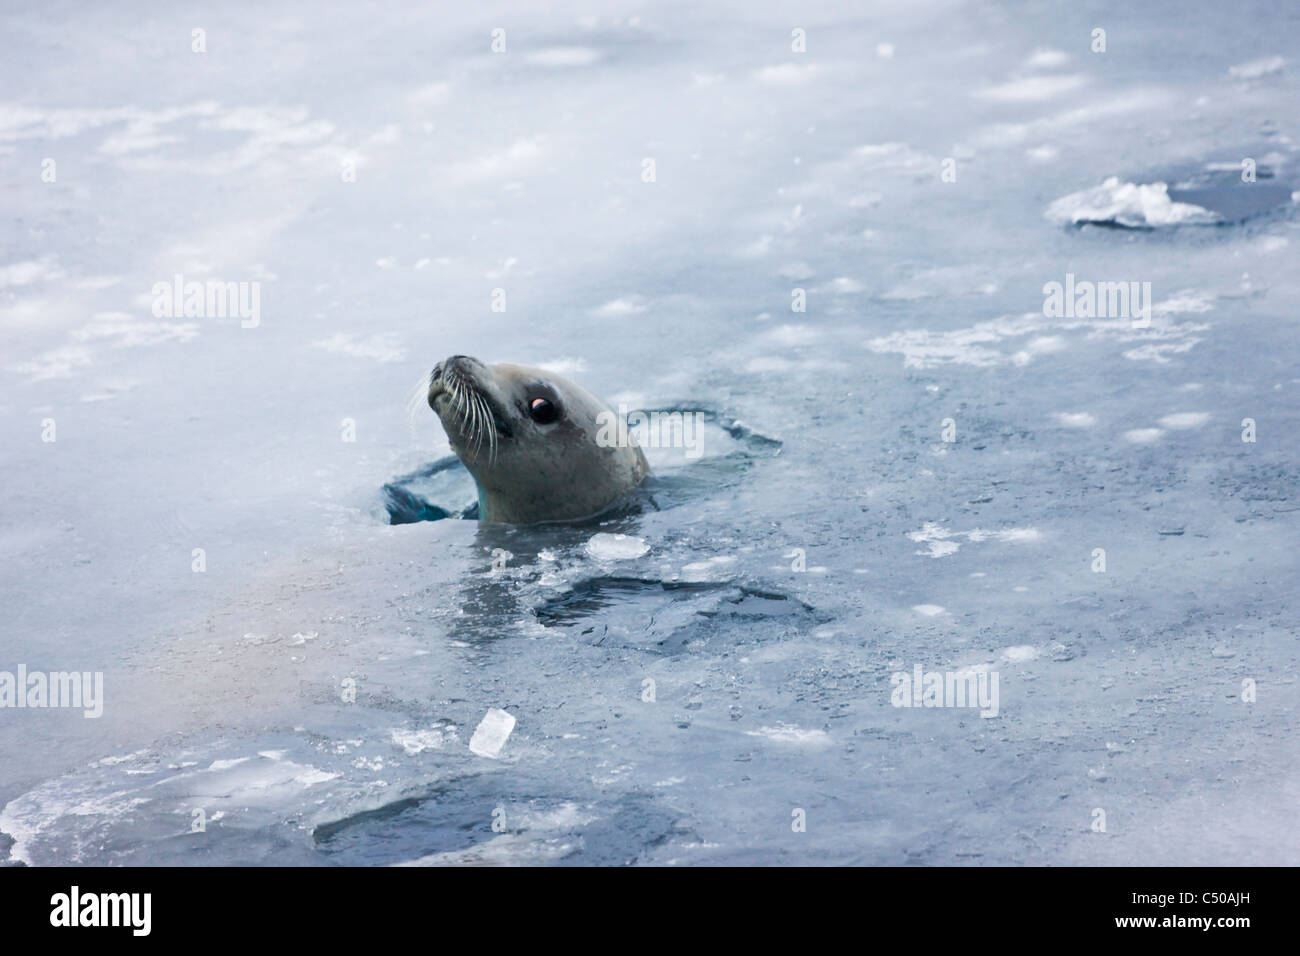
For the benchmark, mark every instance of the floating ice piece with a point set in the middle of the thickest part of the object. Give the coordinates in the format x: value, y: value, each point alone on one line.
x: 1136, y: 205
x: 227, y: 764
x: 417, y: 741
x: 1257, y: 68
x: 121, y: 758
x: 1046, y: 59
x: 1076, y: 419
x: 616, y: 547
x: 1185, y: 420
x: 619, y: 308
x: 1019, y: 653
x: 710, y: 569
x: 492, y: 732
x: 790, y: 734
x: 939, y: 543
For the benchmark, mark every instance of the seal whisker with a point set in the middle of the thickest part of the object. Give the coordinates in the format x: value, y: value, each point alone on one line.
x: 483, y: 430
x: 465, y: 410
x: 476, y: 429
x: 492, y: 433
x: 458, y: 392
x: 467, y: 421
x: 419, y: 395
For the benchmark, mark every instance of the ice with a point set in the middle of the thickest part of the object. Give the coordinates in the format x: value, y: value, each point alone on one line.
x: 492, y: 733
x: 789, y: 734
x: 417, y: 741
x: 622, y: 307
x: 1128, y: 204
x: 941, y: 542
x: 1047, y: 59
x: 1185, y: 420
x: 616, y: 547
x: 1254, y: 69
x: 1076, y: 419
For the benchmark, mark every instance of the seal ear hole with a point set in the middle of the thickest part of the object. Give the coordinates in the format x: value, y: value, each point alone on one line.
x: 543, y: 410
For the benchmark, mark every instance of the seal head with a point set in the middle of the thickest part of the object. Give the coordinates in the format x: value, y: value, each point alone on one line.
x: 540, y: 447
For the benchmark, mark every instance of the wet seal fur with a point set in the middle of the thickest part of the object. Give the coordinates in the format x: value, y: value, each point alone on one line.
x: 529, y: 439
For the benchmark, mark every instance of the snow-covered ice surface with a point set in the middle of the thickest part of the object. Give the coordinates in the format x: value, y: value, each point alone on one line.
x: 683, y: 680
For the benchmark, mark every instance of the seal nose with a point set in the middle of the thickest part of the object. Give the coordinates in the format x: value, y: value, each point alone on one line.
x: 461, y: 363
x: 436, y: 386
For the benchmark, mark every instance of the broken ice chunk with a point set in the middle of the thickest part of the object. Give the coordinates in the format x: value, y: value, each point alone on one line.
x: 492, y: 732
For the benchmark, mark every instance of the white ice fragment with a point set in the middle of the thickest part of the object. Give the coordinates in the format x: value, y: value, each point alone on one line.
x: 1185, y: 420
x: 622, y: 307
x: 227, y: 764
x: 1136, y: 205
x: 937, y: 538
x: 1257, y: 68
x: 1076, y: 419
x: 710, y: 569
x: 1046, y: 59
x: 492, y: 732
x: 616, y: 547
x: 790, y: 734
x: 417, y: 741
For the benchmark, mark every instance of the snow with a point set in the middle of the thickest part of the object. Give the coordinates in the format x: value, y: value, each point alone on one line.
x: 1128, y: 204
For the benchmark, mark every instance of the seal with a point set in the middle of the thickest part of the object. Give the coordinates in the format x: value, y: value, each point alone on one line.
x: 536, y: 444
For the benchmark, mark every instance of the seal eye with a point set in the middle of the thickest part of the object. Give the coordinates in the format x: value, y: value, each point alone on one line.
x: 543, y: 411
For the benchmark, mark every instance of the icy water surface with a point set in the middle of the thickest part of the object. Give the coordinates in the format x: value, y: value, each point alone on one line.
x: 925, y: 466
